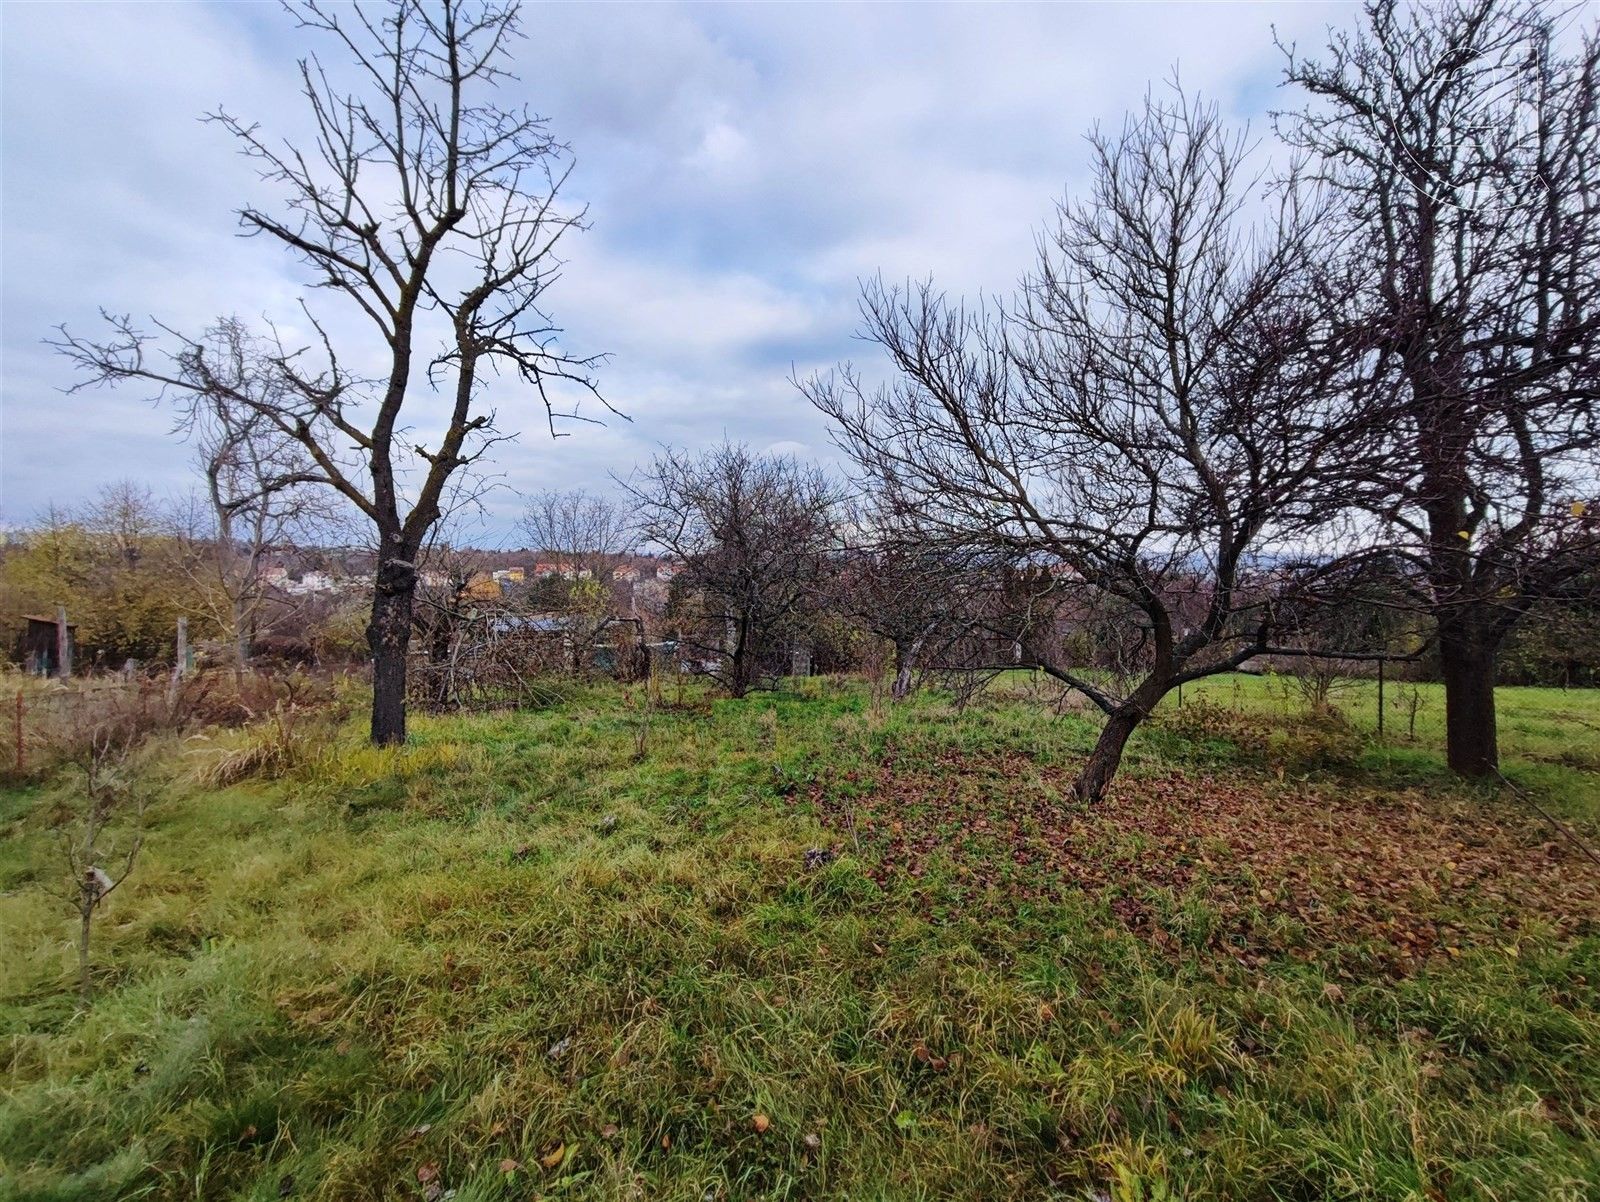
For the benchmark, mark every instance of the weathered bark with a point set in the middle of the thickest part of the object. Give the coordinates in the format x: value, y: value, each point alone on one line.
x: 389, y: 637
x: 739, y: 659
x: 1106, y: 757
x: 1467, y: 663
x: 1121, y: 722
x: 902, y: 672
x: 906, y: 654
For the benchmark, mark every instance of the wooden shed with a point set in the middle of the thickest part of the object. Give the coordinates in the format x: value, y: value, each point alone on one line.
x: 42, y: 645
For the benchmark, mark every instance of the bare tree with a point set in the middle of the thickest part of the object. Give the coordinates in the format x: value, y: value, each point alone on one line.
x: 448, y: 573
x: 589, y: 536
x: 260, y: 485
x: 432, y: 212
x: 753, y: 533
x: 922, y: 598
x: 97, y: 863
x: 1465, y: 148
x: 591, y: 533
x: 1140, y: 432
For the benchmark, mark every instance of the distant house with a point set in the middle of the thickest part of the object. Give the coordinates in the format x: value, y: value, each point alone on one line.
x: 511, y: 575
x: 667, y: 571
x: 546, y: 568
x: 311, y: 582
x: 482, y: 587
x: 626, y: 572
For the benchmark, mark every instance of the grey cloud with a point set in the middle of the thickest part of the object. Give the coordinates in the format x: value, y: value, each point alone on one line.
x: 744, y: 167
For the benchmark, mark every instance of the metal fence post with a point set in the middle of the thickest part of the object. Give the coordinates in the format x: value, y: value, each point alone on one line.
x: 1381, y: 662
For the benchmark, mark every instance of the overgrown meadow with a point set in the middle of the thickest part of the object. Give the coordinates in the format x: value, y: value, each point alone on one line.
x: 643, y: 945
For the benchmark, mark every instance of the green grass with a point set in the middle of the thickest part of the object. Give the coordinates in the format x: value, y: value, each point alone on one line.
x: 1549, y: 739
x: 390, y: 973
x: 1535, y: 724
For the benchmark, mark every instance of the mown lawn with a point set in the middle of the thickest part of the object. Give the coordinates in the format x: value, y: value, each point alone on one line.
x: 805, y: 947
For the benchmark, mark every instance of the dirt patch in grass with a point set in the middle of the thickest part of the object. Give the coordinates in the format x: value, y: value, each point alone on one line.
x: 1244, y: 866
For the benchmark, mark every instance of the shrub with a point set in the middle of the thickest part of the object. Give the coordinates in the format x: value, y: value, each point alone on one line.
x: 1205, y: 722
x: 62, y: 720
x: 1320, y: 739
x: 269, y: 749
x: 1317, y: 740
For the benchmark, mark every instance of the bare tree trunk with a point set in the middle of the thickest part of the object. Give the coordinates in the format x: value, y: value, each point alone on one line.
x: 905, y: 666
x: 1121, y: 722
x: 739, y: 665
x: 389, y: 637
x: 241, y: 636
x: 1467, y: 662
x: 1106, y: 757
x: 902, y: 672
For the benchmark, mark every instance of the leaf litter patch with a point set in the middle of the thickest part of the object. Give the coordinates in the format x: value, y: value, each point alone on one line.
x: 1240, y: 865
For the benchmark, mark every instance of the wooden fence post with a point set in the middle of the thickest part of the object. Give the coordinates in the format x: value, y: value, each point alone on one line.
x: 21, y: 760
x: 63, y: 645
x: 183, y: 648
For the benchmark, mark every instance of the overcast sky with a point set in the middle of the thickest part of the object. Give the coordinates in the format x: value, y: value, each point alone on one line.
x: 744, y: 168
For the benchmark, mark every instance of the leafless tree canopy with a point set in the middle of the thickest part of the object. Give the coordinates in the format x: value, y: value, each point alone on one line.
x: 589, y: 532
x: 432, y: 212
x: 752, y: 532
x: 588, y: 535
x: 1463, y: 146
x: 929, y: 602
x: 1145, y: 424
x: 260, y: 486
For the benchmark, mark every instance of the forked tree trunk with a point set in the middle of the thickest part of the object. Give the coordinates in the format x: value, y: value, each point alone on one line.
x: 389, y: 637
x: 1467, y: 663
x: 1106, y: 757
